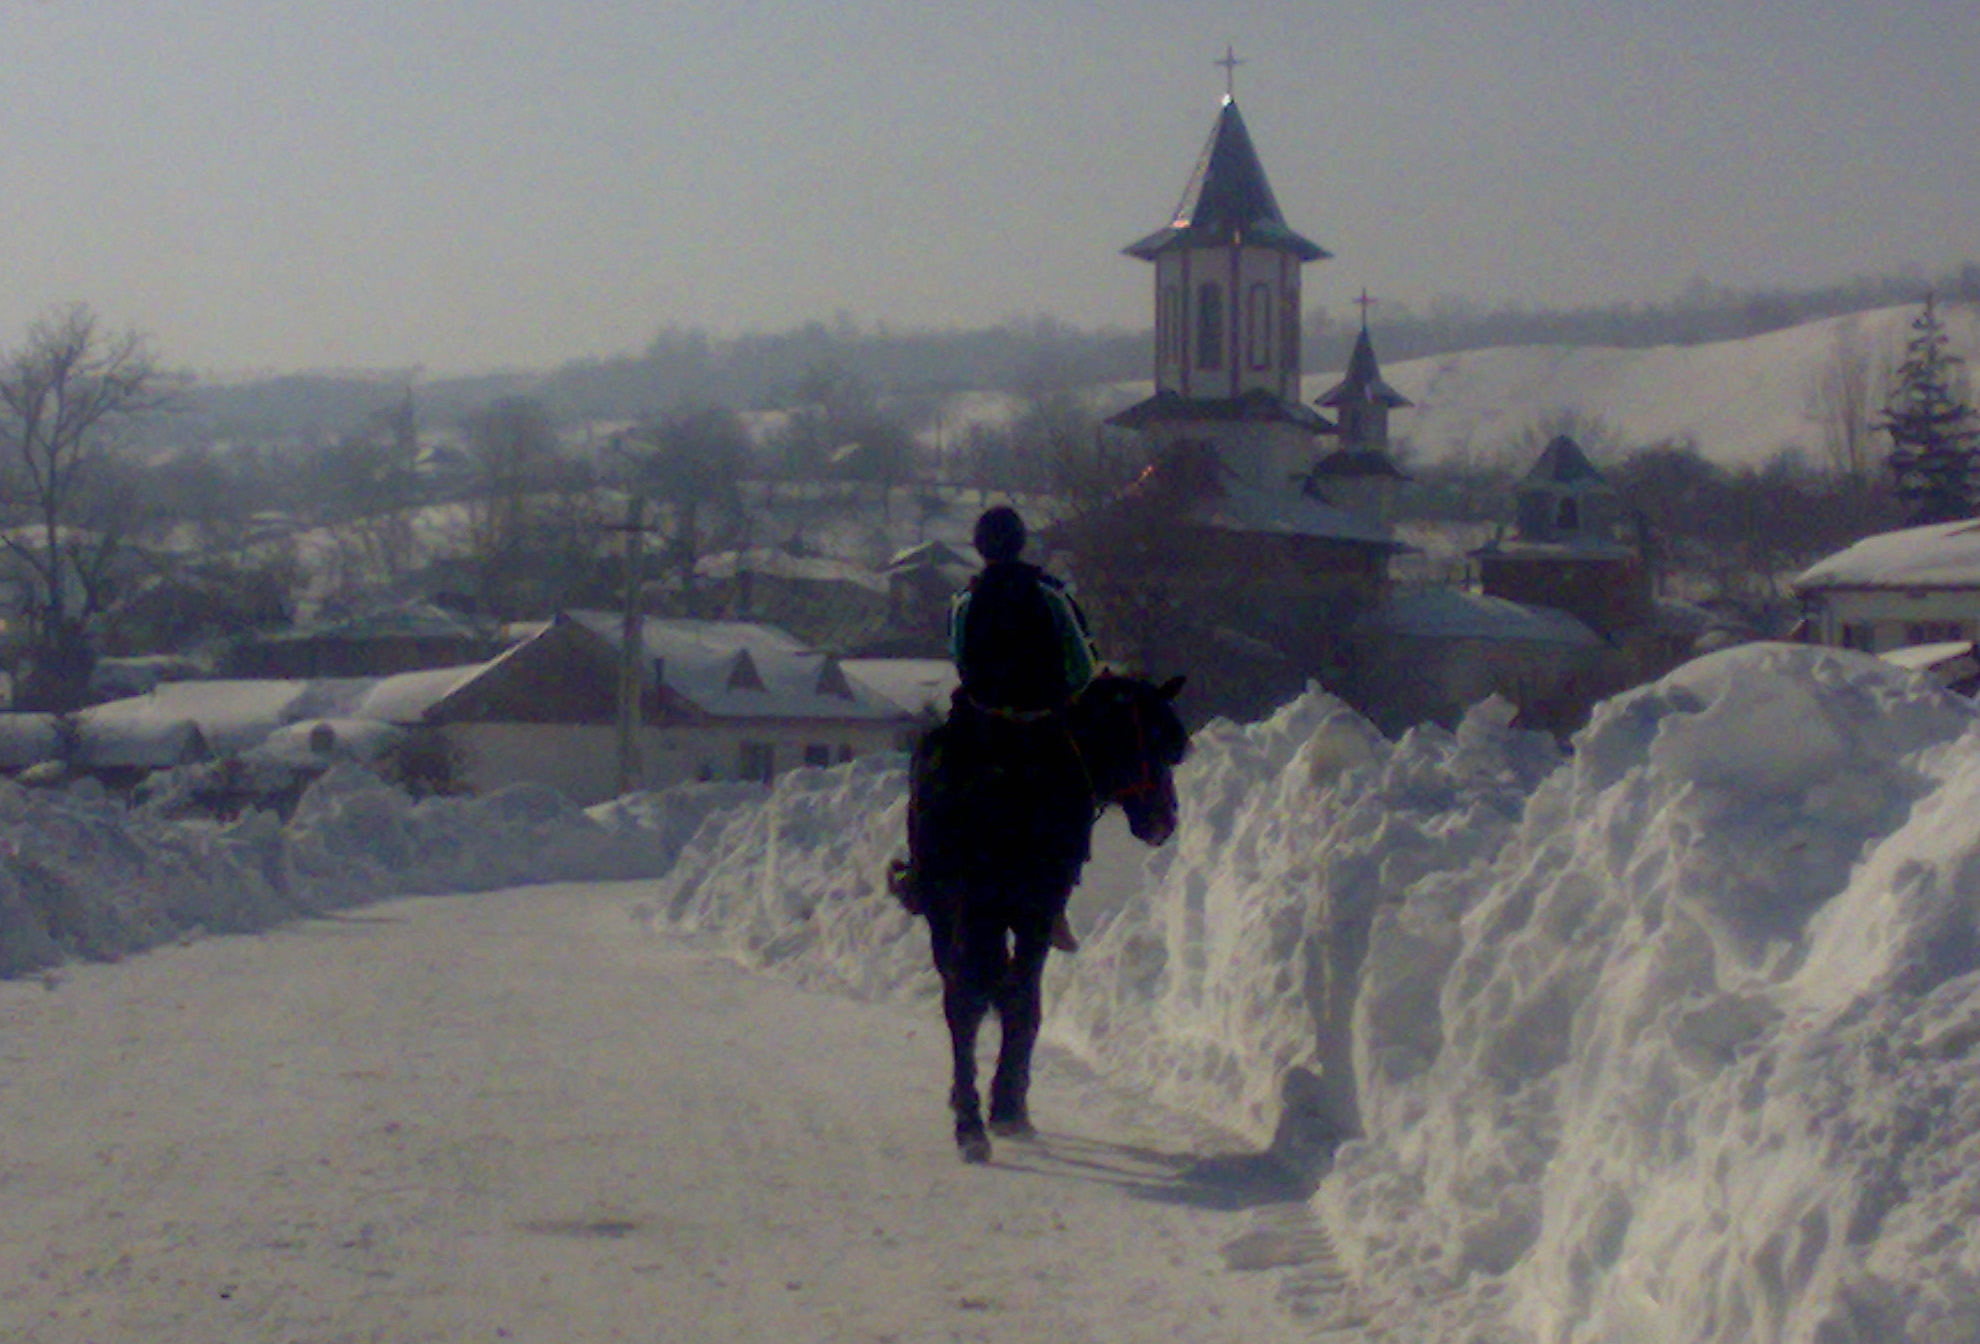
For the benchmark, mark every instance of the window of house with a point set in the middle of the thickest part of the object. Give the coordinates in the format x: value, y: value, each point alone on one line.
x: 1209, y: 327
x: 756, y: 761
x: 1934, y: 632
x: 845, y: 752
x: 1859, y: 635
x: 817, y: 753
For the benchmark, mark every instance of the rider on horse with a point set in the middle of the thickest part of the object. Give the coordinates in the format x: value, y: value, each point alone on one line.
x: 1018, y: 638
x: 1022, y: 652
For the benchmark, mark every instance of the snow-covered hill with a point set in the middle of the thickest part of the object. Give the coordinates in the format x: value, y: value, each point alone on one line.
x: 1740, y: 401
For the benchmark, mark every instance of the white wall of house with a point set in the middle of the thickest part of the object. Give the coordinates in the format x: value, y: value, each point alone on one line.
x: 1877, y: 620
x: 581, y: 761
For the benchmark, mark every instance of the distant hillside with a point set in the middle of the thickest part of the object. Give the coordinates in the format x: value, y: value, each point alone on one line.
x: 1741, y: 401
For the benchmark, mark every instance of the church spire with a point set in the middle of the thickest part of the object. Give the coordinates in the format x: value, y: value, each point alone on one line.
x: 1228, y: 201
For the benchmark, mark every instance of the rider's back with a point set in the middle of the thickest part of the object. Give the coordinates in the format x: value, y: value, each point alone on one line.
x: 1011, y: 641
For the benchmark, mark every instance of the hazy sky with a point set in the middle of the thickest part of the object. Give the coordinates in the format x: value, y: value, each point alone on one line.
x: 468, y: 184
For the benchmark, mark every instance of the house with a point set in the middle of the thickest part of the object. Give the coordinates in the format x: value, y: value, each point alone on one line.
x: 921, y: 582
x: 226, y: 723
x: 823, y: 601
x: 1917, y: 585
x: 1427, y: 656
x: 403, y: 638
x: 717, y: 700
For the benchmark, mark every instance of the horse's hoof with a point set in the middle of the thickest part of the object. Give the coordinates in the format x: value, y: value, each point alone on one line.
x: 1013, y: 1127
x: 974, y: 1147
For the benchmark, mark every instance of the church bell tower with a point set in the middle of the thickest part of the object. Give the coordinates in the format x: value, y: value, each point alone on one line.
x: 1227, y: 315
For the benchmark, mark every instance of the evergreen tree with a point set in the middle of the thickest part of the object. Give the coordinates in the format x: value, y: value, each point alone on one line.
x: 1935, y: 437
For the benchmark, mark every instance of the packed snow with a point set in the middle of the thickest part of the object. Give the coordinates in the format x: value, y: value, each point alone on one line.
x: 1669, y: 1035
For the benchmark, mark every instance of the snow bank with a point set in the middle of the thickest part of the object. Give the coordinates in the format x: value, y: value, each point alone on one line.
x: 81, y: 876
x: 1688, y: 1060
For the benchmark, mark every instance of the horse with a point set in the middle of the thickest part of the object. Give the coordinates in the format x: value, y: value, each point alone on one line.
x: 1000, y: 825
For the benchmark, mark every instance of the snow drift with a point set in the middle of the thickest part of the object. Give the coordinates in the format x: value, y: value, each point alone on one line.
x: 1668, y: 1037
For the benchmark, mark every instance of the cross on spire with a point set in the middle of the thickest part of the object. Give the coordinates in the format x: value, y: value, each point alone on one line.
x: 1364, y: 303
x: 1230, y: 61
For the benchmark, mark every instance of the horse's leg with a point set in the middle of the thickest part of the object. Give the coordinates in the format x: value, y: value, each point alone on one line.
x: 969, y: 974
x: 1019, y: 1011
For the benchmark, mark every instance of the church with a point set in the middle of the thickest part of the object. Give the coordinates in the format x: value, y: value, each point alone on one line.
x: 1253, y: 551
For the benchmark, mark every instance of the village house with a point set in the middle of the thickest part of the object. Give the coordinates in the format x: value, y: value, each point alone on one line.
x: 718, y: 700
x: 1915, y: 586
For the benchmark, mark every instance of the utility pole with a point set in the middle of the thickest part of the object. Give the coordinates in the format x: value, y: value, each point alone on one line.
x: 632, y: 647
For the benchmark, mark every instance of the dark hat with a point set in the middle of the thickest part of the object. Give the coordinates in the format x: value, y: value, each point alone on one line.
x: 999, y: 534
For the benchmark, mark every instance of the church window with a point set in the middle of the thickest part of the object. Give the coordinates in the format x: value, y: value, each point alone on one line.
x: 1209, y: 327
x: 1567, y: 517
x: 1258, y: 326
x: 1171, y: 336
x: 1289, y: 341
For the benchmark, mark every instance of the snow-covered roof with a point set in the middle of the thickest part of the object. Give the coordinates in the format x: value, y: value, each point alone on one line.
x: 1242, y: 509
x: 914, y: 684
x: 1449, y: 613
x: 406, y: 696
x: 232, y: 714
x: 1938, y: 555
x: 770, y: 561
x: 741, y: 669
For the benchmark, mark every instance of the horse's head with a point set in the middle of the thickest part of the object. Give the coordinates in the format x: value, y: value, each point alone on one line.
x: 1131, y: 739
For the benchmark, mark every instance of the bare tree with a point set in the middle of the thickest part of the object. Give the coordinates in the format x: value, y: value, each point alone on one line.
x: 372, y: 480
x: 66, y: 397
x: 692, y: 460
x: 1841, y: 395
x: 513, y: 459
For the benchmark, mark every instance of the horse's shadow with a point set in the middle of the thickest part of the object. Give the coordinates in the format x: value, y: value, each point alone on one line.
x: 1229, y: 1182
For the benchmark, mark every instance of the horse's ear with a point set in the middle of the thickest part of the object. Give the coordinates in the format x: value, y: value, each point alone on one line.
x: 1171, y: 688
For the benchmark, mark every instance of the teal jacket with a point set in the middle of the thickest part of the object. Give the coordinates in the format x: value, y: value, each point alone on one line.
x: 1019, y: 640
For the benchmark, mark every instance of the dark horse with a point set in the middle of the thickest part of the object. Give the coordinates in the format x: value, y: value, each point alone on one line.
x: 1000, y: 823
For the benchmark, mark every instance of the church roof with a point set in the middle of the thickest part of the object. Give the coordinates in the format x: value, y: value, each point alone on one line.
x: 1364, y: 380
x: 1210, y: 497
x: 1353, y: 463
x: 1563, y: 463
x: 1256, y: 404
x: 1227, y: 201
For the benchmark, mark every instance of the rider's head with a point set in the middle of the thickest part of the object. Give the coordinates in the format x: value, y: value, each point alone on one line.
x: 999, y: 534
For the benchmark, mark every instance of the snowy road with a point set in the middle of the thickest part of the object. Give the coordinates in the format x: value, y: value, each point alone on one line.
x: 520, y: 1116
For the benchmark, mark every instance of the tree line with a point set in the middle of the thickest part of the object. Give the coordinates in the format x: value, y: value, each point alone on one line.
x: 116, y: 547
